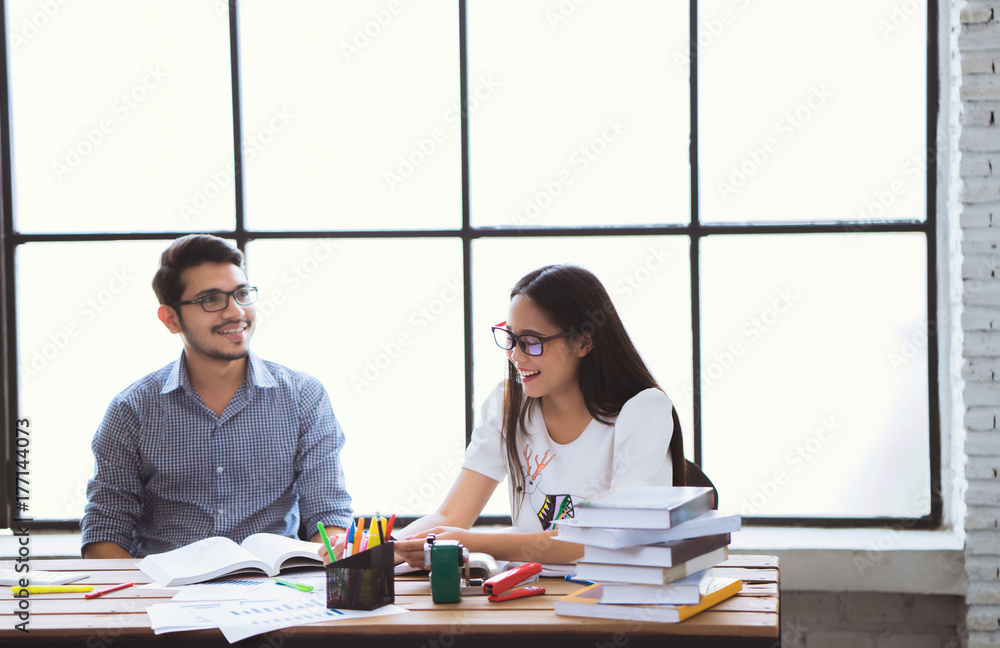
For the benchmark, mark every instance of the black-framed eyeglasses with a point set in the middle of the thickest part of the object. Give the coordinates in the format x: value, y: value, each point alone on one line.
x: 530, y: 344
x: 218, y: 301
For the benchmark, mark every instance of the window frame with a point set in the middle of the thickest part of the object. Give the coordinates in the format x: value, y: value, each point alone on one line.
x: 696, y: 230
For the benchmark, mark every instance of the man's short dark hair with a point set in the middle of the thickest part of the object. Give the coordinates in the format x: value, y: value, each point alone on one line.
x: 187, y: 252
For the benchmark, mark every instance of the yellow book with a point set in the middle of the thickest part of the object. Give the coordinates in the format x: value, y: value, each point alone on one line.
x: 585, y: 603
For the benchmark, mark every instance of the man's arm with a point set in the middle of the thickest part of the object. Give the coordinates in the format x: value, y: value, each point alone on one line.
x: 105, y: 550
x: 319, y: 482
x: 330, y: 532
x: 114, y: 495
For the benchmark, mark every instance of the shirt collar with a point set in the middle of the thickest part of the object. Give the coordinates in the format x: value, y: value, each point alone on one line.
x: 260, y: 375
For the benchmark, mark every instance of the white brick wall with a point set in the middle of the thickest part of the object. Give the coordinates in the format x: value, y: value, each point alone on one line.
x: 869, y: 620
x: 979, y: 170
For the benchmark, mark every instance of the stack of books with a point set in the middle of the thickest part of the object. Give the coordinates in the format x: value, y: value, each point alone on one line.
x: 648, y: 551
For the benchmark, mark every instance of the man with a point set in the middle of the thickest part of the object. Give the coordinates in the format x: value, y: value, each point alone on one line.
x: 219, y: 442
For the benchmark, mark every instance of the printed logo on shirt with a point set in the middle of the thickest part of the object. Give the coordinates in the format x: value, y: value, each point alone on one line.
x: 549, y: 508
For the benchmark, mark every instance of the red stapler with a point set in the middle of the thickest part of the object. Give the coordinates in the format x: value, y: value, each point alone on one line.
x: 508, y: 585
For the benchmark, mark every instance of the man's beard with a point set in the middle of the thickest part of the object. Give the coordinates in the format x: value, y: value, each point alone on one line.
x: 217, y: 354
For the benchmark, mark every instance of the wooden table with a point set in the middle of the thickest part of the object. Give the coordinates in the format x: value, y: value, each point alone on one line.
x: 118, y: 620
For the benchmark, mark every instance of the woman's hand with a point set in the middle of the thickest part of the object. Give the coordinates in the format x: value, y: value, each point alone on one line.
x: 411, y: 548
x: 337, y: 544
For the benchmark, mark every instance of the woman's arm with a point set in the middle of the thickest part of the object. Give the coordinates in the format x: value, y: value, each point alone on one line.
x: 539, y: 546
x: 460, y: 509
x: 462, y: 506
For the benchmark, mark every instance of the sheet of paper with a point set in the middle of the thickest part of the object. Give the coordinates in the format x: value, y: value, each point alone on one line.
x: 235, y: 589
x: 175, y: 617
x: 403, y: 568
x: 548, y: 570
x: 241, y: 619
x: 11, y: 577
x: 192, y: 615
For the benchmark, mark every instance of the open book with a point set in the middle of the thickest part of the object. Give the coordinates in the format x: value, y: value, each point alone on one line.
x: 214, y: 557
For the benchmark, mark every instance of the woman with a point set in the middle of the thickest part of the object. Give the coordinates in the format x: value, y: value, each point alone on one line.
x: 579, y: 413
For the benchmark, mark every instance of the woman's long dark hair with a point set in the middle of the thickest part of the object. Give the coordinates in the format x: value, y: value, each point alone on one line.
x: 573, y: 299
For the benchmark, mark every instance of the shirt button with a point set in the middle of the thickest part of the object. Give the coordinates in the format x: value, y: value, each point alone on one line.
x: 222, y: 511
x: 219, y: 470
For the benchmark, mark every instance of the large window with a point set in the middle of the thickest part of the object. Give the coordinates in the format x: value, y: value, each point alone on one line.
x: 751, y: 181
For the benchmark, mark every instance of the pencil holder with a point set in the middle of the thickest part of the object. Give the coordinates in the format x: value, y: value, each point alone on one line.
x: 364, y: 581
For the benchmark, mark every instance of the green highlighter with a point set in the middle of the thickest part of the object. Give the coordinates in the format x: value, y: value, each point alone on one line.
x: 302, y: 587
x: 326, y: 541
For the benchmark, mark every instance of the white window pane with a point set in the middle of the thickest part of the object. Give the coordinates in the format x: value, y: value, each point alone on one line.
x: 799, y: 123
x: 384, y: 335
x: 121, y: 116
x: 83, y: 336
x: 648, y: 280
x: 583, y: 118
x: 350, y: 114
x: 814, y: 365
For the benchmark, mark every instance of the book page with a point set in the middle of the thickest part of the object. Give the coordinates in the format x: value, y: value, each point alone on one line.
x: 274, y: 550
x: 199, y: 561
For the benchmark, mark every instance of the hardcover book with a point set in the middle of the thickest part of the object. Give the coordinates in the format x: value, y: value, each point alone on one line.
x: 604, y: 572
x: 684, y: 591
x: 710, y: 523
x: 585, y: 603
x: 645, y: 507
x: 663, y: 555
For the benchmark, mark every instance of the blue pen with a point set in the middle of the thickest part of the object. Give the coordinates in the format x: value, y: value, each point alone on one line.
x: 348, y: 546
x: 573, y: 579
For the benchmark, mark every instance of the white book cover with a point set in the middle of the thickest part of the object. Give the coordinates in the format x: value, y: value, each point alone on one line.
x: 584, y: 603
x: 710, y: 523
x: 684, y: 591
x: 645, y: 507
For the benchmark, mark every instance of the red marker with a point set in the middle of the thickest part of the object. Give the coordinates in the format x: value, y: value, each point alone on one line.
x: 388, y: 527
x: 110, y: 589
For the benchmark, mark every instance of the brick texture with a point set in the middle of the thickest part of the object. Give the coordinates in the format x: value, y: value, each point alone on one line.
x: 877, y: 620
x: 979, y: 144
